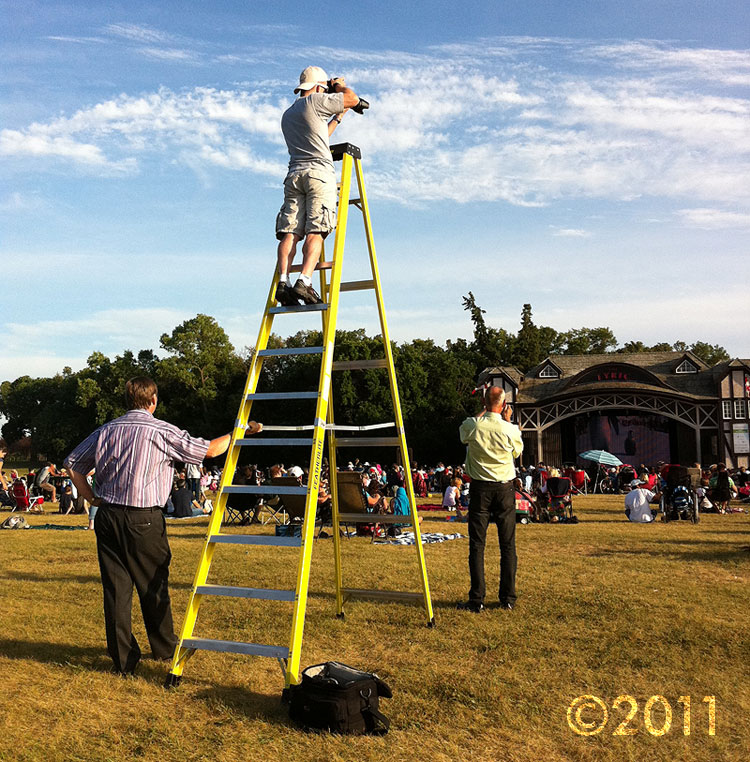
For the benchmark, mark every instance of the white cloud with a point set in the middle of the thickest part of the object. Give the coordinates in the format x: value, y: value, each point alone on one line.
x: 475, y: 122
x: 107, y: 331
x: 20, y: 203
x: 571, y: 233
x: 137, y: 33
x: 170, y: 54
x: 715, y: 219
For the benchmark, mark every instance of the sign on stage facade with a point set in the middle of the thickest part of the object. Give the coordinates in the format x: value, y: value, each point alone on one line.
x: 644, y: 408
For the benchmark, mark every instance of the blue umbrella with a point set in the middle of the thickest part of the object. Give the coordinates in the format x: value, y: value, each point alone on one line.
x: 600, y: 456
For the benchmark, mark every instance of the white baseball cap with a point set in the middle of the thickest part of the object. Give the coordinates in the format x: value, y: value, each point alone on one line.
x: 311, y: 77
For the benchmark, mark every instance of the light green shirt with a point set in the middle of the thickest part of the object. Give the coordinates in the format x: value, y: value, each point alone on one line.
x: 492, y: 444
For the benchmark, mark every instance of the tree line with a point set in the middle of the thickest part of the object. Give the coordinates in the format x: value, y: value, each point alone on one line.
x: 201, y: 378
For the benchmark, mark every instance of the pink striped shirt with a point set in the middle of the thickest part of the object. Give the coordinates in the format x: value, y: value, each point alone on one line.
x: 134, y: 456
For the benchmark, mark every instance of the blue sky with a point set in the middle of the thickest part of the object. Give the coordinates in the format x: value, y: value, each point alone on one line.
x: 589, y: 157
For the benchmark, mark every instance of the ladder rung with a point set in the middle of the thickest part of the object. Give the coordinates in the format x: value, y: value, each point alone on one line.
x: 298, y: 308
x: 355, y: 201
x: 259, y: 489
x: 246, y: 592
x: 373, y: 518
x: 359, y: 364
x: 357, y: 285
x: 233, y: 647
x: 280, y: 442
x: 282, y: 396
x: 256, y: 539
x: 283, y: 351
x: 368, y: 442
x: 390, y: 594
x: 319, y: 266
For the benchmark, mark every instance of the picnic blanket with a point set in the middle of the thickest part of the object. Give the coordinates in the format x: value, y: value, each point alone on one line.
x: 431, y: 507
x: 407, y: 538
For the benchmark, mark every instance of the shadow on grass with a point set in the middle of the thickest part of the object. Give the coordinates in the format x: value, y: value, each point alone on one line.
x: 81, y: 579
x: 60, y: 654
x: 253, y: 706
x: 728, y: 553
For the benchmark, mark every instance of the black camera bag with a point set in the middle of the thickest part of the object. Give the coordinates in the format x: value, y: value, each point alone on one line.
x: 338, y: 698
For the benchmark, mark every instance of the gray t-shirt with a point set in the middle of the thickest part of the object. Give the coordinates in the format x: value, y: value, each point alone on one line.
x: 305, y: 128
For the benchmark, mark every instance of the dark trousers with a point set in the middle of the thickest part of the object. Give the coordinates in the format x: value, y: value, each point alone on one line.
x: 133, y: 549
x: 492, y: 501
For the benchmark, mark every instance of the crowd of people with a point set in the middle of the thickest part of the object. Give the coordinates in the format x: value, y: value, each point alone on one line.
x: 715, y: 486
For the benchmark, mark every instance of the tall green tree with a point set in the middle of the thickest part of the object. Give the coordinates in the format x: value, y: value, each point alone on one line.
x: 199, y: 379
x: 588, y: 341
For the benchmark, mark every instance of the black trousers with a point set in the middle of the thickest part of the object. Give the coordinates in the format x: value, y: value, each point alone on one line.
x: 496, y: 502
x: 133, y: 549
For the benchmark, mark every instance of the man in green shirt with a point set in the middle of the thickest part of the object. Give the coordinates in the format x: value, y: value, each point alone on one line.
x: 492, y: 443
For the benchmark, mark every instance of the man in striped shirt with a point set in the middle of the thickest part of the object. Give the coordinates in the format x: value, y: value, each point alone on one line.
x: 134, y: 459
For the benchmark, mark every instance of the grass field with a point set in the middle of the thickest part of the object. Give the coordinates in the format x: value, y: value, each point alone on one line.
x: 605, y: 608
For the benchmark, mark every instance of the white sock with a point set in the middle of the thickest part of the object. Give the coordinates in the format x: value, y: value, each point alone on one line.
x: 283, y: 277
x: 307, y: 281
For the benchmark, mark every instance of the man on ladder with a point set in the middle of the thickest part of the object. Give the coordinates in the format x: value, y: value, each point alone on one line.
x: 309, y: 209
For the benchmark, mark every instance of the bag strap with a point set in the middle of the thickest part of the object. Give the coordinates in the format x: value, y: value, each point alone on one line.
x: 377, y: 722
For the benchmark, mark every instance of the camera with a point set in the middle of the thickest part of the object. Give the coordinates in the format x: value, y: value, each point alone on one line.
x: 359, y: 108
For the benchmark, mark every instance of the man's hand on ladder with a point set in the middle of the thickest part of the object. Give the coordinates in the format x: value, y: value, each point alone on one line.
x: 253, y: 427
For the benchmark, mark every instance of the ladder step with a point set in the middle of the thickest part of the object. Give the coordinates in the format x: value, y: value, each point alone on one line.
x: 368, y: 442
x: 373, y: 518
x: 357, y: 285
x: 298, y: 308
x: 233, y: 647
x: 359, y: 364
x: 319, y: 266
x: 246, y: 592
x: 256, y: 539
x: 284, y: 351
x: 282, y: 396
x: 394, y: 595
x: 281, y: 442
x: 259, y: 489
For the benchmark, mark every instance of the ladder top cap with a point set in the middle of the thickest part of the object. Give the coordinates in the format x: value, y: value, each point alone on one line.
x: 340, y: 149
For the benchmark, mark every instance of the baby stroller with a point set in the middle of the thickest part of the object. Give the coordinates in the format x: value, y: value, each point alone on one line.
x: 559, y: 504
x: 525, y: 508
x: 678, y: 501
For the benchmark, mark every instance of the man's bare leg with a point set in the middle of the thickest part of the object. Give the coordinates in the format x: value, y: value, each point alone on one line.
x: 311, y: 250
x: 286, y: 251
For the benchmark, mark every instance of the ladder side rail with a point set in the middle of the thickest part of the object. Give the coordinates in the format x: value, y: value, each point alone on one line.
x: 336, y: 529
x: 332, y: 469
x: 181, y: 653
x: 329, y: 335
x: 408, y: 483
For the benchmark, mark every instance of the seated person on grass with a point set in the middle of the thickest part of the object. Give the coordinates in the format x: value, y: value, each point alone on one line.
x: 185, y: 506
x: 638, y: 503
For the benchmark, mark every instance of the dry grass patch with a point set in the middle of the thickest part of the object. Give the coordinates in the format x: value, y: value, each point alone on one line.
x: 605, y: 608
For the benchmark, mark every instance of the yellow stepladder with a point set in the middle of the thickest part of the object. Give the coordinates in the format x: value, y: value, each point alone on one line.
x: 330, y: 288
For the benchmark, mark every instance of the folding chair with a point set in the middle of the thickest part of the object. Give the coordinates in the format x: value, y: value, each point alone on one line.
x: 579, y: 480
x: 241, y: 509
x: 294, y: 505
x: 24, y: 501
x: 353, y: 506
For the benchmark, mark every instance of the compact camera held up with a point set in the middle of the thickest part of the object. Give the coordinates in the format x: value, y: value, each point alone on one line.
x: 359, y: 108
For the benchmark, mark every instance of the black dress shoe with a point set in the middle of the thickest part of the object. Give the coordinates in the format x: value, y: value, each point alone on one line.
x: 475, y: 608
x: 507, y: 606
x: 307, y: 293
